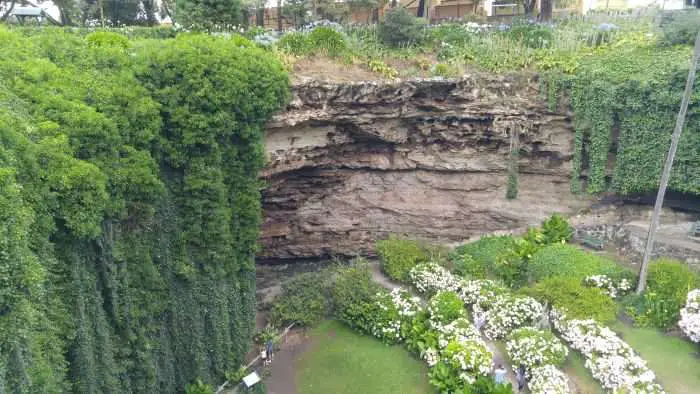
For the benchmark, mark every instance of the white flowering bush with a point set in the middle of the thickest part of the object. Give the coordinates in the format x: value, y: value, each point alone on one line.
x: 480, y: 292
x: 690, y: 316
x: 431, y: 278
x: 610, y: 360
x: 532, y: 347
x: 547, y: 379
x: 471, y: 357
x: 460, y: 330
x: 508, y: 312
x: 394, y: 313
x: 608, y: 285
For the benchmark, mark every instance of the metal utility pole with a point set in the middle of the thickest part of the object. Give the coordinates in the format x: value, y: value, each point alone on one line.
x: 666, y: 174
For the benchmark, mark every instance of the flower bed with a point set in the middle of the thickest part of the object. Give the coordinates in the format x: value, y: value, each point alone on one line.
x: 431, y: 278
x: 548, y: 380
x: 507, y: 312
x: 690, y: 316
x: 532, y: 348
x: 395, y: 310
x: 608, y: 286
x: 610, y: 360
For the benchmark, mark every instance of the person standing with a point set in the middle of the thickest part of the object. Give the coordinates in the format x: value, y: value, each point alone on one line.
x: 270, y: 350
x: 500, y: 374
x: 520, y: 378
x: 263, y: 355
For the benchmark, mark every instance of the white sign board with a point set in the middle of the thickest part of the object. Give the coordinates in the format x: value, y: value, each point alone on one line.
x: 251, y: 379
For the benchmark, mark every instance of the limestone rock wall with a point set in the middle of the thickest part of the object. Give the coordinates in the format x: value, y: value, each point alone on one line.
x: 352, y: 163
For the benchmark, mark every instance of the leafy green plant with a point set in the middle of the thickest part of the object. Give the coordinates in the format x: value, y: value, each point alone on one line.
x: 532, y: 35
x: 401, y: 28
x: 420, y: 337
x: 576, y: 300
x: 382, y: 68
x: 668, y: 284
x: 304, y: 300
x: 295, y: 43
x: 198, y: 387
x: 353, y: 295
x: 328, y: 41
x: 556, y: 229
x: 465, y: 265
x: 398, y: 256
x: 264, y: 335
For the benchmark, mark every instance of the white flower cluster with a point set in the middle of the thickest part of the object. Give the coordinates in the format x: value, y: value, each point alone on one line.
x: 548, y: 379
x: 608, y: 286
x: 460, y: 331
x: 431, y: 357
x: 480, y: 292
x: 472, y: 357
x: 690, y: 316
x: 433, y: 278
x: 508, y: 312
x: 610, y: 360
x: 397, y: 309
x: 532, y: 347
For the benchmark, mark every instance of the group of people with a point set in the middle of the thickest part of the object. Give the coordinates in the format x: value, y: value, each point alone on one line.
x: 500, y: 375
x: 267, y: 353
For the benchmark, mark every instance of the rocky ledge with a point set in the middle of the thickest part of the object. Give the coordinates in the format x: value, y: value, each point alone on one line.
x: 354, y: 162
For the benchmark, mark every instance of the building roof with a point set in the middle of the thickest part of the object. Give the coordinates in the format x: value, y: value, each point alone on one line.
x: 27, y: 11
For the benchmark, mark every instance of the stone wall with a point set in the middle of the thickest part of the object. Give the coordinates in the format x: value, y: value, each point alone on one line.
x: 350, y: 163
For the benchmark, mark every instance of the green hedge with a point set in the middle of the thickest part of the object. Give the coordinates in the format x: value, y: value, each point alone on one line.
x: 563, y: 260
x: 484, y: 254
x: 305, y: 299
x: 398, y: 256
x: 129, y: 208
x: 577, y: 300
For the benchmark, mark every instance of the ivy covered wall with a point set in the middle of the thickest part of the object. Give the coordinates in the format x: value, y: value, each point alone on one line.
x: 625, y: 104
x: 129, y: 208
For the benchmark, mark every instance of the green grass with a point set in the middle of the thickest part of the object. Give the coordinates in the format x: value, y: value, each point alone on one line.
x: 342, y: 361
x: 576, y: 369
x: 671, y: 358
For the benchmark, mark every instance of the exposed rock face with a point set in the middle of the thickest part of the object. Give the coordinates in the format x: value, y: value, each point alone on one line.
x: 353, y: 163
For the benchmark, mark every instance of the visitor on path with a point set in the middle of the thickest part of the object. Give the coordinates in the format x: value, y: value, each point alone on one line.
x: 480, y: 321
x: 270, y: 350
x: 263, y: 356
x: 520, y: 378
x: 500, y: 374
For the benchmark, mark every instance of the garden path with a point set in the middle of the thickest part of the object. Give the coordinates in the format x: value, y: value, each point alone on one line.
x: 498, y: 357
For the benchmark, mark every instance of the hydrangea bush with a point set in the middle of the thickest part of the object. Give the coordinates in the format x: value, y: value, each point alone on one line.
x: 690, y: 316
x: 548, y: 379
x: 395, y: 312
x: 444, y: 308
x: 610, y: 360
x: 608, y: 285
x: 531, y: 347
x: 508, y: 312
x: 431, y: 278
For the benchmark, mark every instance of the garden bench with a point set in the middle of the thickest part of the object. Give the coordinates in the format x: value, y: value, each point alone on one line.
x: 593, y: 242
x: 694, y: 230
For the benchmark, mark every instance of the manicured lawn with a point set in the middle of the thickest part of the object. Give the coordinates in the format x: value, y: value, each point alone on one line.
x: 671, y: 358
x: 342, y: 361
x: 576, y: 369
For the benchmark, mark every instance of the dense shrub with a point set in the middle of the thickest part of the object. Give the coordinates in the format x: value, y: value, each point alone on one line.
x: 532, y: 35
x: 401, y: 28
x: 354, y: 296
x: 680, y: 28
x: 295, y: 44
x: 533, y: 348
x: 398, y: 256
x: 668, y: 284
x: 446, y: 307
x: 465, y: 265
x: 304, y: 299
x: 328, y: 41
x: 572, y: 262
x: 484, y: 252
x: 556, y: 229
x: 575, y: 299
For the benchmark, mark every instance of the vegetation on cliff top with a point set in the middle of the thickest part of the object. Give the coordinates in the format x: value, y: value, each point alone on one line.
x: 129, y: 208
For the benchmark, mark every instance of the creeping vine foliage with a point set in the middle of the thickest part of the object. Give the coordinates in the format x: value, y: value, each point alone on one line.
x: 129, y: 208
x: 633, y: 95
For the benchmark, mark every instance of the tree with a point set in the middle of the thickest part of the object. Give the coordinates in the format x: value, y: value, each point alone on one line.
x: 209, y: 15
x: 666, y: 174
x: 546, y: 10
x: 6, y: 8
x: 297, y: 11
